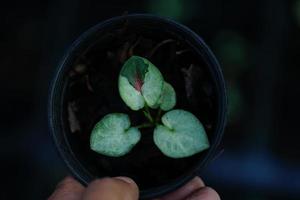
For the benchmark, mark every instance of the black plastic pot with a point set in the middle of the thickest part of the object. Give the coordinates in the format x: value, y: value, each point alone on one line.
x: 138, y: 22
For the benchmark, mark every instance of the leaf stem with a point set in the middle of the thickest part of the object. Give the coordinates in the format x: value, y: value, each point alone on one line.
x: 145, y: 125
x: 147, y: 114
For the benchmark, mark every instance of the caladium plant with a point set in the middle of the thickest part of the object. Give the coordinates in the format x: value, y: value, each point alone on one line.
x: 177, y: 134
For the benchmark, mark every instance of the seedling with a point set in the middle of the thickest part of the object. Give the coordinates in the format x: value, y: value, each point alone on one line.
x: 178, y: 133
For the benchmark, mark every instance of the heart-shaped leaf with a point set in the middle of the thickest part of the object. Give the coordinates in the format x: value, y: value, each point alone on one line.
x: 113, y: 136
x: 140, y: 82
x: 167, y: 99
x: 181, y: 134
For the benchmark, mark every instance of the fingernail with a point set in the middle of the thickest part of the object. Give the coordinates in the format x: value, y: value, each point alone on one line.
x: 126, y: 179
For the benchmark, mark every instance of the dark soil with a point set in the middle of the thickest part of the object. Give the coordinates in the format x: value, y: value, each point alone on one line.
x: 92, y: 92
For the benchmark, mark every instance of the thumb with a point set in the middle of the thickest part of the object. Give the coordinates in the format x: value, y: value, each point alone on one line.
x: 205, y: 193
x: 118, y: 188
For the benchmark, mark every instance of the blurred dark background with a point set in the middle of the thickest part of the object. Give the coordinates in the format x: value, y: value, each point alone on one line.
x: 257, y: 43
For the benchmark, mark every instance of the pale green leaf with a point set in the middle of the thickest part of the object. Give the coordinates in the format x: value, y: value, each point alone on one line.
x: 113, y: 136
x: 181, y: 135
x: 167, y: 99
x: 153, y: 85
x: 132, y: 98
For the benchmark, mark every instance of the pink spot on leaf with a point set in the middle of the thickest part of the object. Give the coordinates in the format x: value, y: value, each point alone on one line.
x: 138, y: 83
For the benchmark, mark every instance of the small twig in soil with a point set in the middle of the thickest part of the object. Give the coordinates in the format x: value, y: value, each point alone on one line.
x: 153, y: 51
x: 80, y: 68
x: 88, y: 84
x: 182, y: 51
x: 188, y: 78
x: 130, y: 52
x: 72, y: 118
x: 123, y: 52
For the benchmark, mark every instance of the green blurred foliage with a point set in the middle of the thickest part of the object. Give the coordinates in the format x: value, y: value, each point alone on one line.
x: 178, y: 10
x: 233, y: 52
x: 235, y: 103
x: 296, y: 11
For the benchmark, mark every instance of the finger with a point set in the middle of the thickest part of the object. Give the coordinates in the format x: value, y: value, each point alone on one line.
x: 205, y: 193
x: 68, y: 189
x: 185, y: 190
x: 118, y: 188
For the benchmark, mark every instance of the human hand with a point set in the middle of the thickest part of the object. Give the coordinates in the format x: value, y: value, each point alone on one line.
x: 123, y: 188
